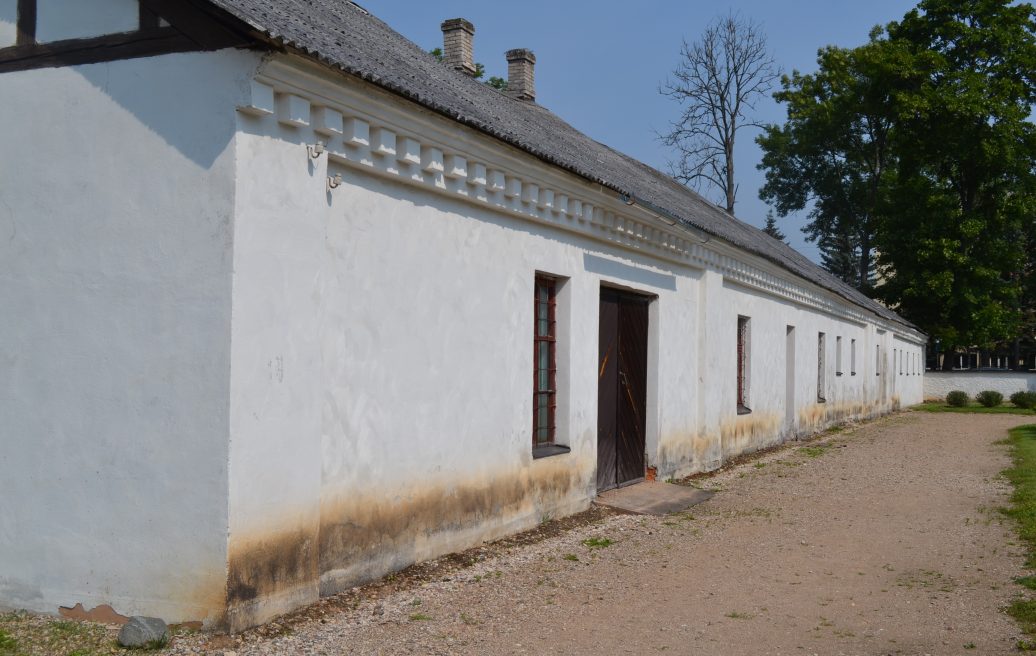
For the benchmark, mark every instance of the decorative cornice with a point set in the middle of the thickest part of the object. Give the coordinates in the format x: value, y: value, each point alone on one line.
x: 368, y: 130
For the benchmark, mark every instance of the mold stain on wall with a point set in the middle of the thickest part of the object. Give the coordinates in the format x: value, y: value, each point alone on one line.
x: 263, y: 569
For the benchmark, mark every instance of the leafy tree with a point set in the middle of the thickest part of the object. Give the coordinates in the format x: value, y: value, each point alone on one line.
x: 498, y: 83
x: 833, y: 155
x: 771, y: 228
x: 917, y: 146
x: 718, y: 80
x: 953, y: 234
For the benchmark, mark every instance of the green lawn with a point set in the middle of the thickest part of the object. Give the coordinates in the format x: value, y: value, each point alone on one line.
x: 1022, y: 476
x: 973, y: 407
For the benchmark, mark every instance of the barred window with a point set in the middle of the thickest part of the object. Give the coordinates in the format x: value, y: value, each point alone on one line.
x: 544, y: 391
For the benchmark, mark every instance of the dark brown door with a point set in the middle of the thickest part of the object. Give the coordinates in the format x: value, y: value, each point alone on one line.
x: 622, y: 389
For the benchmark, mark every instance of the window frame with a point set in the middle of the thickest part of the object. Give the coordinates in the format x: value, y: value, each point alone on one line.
x: 744, y: 343
x: 852, y: 357
x: 821, y: 367
x: 550, y: 283
x: 838, y: 355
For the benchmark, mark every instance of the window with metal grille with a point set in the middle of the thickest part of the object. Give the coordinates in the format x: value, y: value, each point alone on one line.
x: 544, y: 389
x: 838, y: 355
x: 852, y: 357
x: 821, y: 365
x: 743, y: 344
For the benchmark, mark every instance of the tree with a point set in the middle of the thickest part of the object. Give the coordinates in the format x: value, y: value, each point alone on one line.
x: 917, y: 146
x: 498, y: 83
x: 953, y: 236
x: 771, y: 228
x: 717, y: 82
x: 833, y: 154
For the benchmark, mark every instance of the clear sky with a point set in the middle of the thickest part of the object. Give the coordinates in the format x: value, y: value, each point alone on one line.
x: 599, y: 64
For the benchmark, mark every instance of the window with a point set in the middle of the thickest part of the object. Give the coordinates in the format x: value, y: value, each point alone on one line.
x: 897, y: 358
x: 852, y: 357
x: 743, y: 345
x: 838, y: 355
x: 821, y: 393
x: 877, y: 359
x: 544, y: 391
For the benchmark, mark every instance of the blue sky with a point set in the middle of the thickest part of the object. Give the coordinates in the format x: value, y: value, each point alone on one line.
x: 599, y: 64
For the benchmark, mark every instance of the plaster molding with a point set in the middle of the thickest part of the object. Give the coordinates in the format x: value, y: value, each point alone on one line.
x: 383, y: 135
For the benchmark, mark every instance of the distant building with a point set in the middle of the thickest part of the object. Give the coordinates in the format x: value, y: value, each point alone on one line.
x: 288, y: 304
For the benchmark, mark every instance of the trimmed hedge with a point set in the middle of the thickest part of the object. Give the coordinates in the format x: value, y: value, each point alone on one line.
x: 1024, y: 400
x: 957, y: 399
x: 989, y: 398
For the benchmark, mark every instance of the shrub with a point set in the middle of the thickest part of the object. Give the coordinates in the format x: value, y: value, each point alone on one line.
x: 957, y: 399
x: 989, y: 398
x: 1025, y: 400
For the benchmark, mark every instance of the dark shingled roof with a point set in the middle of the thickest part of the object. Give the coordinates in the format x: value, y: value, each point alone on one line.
x: 343, y: 35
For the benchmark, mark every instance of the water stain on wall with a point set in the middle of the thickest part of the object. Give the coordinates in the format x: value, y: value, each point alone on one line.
x: 749, y: 433
x: 358, y: 529
x: 364, y: 533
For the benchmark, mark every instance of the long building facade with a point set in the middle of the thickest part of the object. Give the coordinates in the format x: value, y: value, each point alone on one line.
x: 290, y: 304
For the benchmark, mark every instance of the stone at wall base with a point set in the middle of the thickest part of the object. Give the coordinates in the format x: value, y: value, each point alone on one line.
x: 144, y: 632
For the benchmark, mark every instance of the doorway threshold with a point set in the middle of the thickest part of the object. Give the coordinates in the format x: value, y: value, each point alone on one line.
x: 652, y: 498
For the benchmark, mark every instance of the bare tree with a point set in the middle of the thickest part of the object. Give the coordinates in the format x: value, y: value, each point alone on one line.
x: 718, y: 80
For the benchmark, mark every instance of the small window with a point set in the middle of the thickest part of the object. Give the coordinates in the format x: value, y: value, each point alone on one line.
x: 852, y: 357
x: 877, y: 359
x: 897, y: 358
x: 743, y: 346
x: 821, y: 392
x: 544, y: 391
x: 838, y: 355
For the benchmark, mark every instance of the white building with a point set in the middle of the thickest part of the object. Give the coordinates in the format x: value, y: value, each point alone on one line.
x: 232, y: 381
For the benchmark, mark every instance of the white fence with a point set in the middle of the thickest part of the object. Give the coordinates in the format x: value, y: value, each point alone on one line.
x: 938, y: 383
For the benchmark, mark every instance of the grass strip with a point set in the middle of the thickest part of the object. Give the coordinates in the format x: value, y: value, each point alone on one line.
x: 973, y: 408
x: 1022, y: 475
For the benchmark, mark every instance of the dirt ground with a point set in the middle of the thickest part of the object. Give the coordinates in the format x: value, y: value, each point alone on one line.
x: 881, y: 539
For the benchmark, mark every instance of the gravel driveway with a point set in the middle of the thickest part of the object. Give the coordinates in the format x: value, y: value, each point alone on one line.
x: 881, y: 539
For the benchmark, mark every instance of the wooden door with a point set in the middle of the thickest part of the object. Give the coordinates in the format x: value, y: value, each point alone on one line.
x: 622, y: 389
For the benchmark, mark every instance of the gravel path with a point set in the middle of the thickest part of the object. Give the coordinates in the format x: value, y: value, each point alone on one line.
x: 882, y: 539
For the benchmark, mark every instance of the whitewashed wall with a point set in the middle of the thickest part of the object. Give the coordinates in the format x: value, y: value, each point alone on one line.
x: 937, y: 384
x: 204, y: 341
x: 116, y: 204
x: 380, y: 401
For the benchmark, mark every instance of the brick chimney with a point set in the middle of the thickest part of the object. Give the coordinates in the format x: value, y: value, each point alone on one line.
x: 458, y: 40
x: 520, y: 80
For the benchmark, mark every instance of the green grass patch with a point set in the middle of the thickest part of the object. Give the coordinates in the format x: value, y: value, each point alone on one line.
x: 571, y: 557
x: 8, y: 645
x: 598, y: 543
x: 973, y: 408
x: 814, y: 451
x: 420, y: 617
x: 22, y: 634
x: 1022, y: 475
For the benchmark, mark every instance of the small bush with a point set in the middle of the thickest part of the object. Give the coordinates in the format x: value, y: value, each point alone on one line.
x: 957, y: 399
x: 1025, y: 400
x: 989, y: 398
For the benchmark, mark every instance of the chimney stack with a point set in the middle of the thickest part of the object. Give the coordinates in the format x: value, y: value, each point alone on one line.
x: 458, y: 40
x: 520, y: 80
